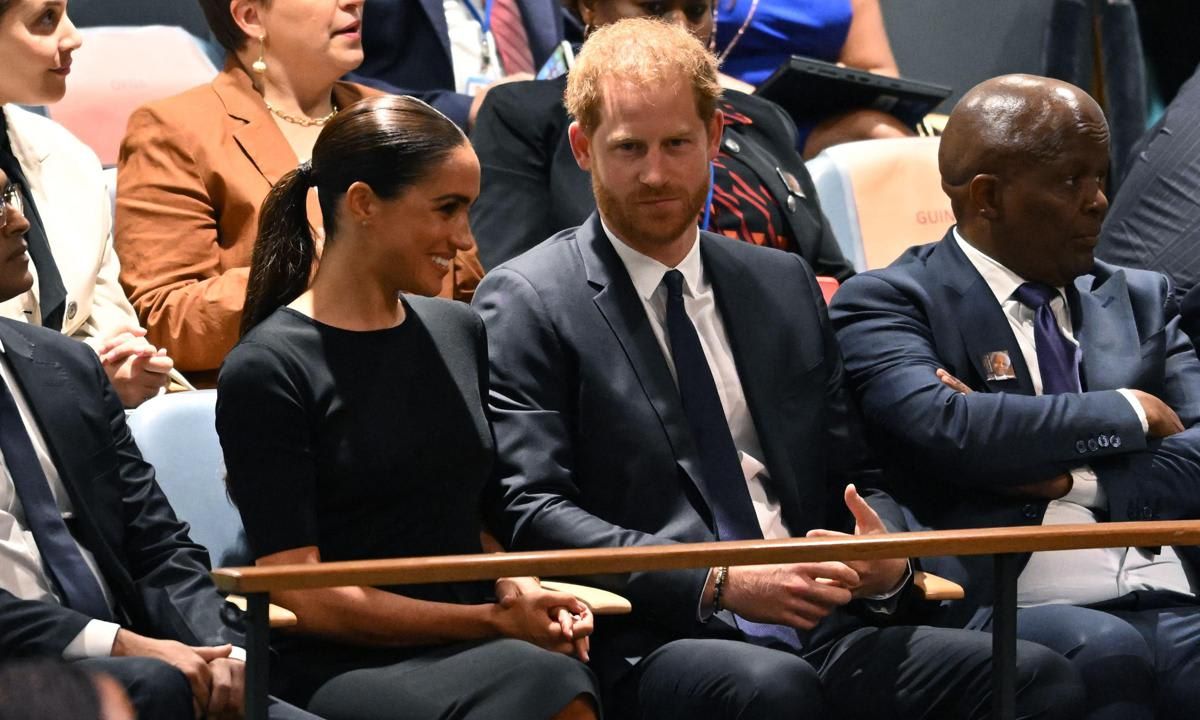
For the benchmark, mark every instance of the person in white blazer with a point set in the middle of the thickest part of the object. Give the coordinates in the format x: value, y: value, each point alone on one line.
x: 65, y: 183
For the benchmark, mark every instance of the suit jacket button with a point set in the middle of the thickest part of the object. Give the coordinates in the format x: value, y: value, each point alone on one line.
x: 732, y: 145
x: 1102, y: 441
x: 1147, y: 513
x: 1029, y: 511
x: 1092, y: 445
x: 1080, y: 447
x: 1115, y: 441
x: 72, y: 308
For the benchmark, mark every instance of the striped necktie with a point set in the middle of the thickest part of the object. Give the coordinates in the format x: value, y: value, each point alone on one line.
x: 512, y: 42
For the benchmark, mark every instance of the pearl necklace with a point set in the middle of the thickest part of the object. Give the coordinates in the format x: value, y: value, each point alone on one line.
x: 299, y: 120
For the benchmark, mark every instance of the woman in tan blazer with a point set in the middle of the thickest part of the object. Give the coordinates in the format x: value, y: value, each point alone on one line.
x: 195, y: 168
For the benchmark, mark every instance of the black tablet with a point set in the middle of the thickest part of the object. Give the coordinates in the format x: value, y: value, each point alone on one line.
x: 810, y: 89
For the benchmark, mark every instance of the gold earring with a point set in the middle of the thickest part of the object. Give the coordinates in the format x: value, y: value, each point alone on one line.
x: 260, y: 65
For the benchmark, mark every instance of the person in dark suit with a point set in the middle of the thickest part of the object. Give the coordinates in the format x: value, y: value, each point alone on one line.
x: 1098, y: 420
x: 412, y: 48
x: 654, y: 384
x: 532, y: 186
x: 1154, y: 223
x: 1189, y: 315
x: 97, y: 569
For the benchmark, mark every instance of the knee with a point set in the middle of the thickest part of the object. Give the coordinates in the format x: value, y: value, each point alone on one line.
x: 158, y: 690
x: 1092, y: 638
x: 1048, y: 685
x: 1114, y: 640
x: 774, y: 685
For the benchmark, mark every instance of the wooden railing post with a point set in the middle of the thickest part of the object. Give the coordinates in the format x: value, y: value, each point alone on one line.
x: 1004, y: 638
x: 258, y: 656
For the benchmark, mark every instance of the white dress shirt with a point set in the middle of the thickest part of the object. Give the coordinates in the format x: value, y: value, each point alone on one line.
x: 21, y: 570
x: 701, y: 306
x: 466, y: 46
x: 1075, y: 577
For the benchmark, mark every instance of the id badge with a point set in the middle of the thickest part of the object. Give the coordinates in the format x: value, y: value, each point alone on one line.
x: 475, y: 83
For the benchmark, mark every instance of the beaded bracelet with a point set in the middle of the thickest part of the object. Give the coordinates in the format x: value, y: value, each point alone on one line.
x: 718, y: 587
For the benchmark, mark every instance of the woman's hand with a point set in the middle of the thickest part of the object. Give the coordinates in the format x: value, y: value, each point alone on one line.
x: 137, y: 369
x: 551, y: 620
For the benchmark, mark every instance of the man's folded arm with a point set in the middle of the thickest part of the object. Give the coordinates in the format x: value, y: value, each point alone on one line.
x: 970, y: 439
x: 1163, y: 480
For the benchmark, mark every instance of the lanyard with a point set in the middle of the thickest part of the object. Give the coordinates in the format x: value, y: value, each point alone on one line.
x: 712, y: 181
x: 485, y: 27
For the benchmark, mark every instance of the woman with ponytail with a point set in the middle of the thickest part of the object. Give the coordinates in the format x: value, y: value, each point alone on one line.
x: 195, y: 167
x: 352, y: 421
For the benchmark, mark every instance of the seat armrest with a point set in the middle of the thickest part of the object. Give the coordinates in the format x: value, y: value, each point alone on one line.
x: 938, y: 588
x: 280, y: 617
x: 602, y: 602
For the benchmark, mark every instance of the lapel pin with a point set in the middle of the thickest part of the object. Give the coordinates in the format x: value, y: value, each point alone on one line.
x: 793, y: 185
x: 997, y: 365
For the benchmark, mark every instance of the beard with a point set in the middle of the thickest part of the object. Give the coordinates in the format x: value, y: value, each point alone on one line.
x: 644, y: 225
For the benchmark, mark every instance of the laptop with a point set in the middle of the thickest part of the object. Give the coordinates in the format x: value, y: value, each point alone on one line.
x: 810, y: 89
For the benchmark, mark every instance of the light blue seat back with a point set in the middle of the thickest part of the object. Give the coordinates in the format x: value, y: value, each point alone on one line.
x: 837, y: 202
x: 177, y: 435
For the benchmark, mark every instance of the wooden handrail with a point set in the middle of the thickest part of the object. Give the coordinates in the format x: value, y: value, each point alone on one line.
x: 455, y: 568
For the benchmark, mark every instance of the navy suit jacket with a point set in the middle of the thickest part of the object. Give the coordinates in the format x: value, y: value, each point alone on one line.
x: 593, y: 448
x: 947, y: 454
x: 1189, y: 311
x: 1154, y: 221
x: 407, y: 49
x: 159, y: 578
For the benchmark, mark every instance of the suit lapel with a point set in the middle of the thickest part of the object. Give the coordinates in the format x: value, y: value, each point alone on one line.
x: 543, y: 26
x: 741, y: 304
x: 259, y: 138
x: 1104, y: 325
x: 56, y: 408
x: 618, y: 302
x: 985, y: 328
x: 48, y: 391
x: 435, y: 10
x: 769, y: 173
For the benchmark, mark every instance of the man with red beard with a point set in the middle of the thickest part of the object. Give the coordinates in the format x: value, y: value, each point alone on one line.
x: 652, y: 384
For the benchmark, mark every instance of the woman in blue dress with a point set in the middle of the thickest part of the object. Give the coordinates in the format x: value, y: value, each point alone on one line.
x: 753, y: 37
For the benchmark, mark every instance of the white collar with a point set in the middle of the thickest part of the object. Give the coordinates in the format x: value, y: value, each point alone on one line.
x: 647, y: 273
x: 1000, y: 280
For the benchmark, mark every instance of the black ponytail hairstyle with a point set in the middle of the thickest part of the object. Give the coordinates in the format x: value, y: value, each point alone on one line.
x: 389, y: 142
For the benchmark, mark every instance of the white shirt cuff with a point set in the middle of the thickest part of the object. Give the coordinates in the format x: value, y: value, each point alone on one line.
x: 1085, y: 489
x: 908, y: 571
x: 238, y: 653
x: 1137, y: 408
x: 95, y: 640
x: 705, y: 612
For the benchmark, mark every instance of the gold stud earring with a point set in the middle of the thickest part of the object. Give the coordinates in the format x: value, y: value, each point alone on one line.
x: 260, y: 65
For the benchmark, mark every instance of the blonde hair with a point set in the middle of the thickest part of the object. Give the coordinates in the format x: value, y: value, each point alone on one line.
x: 643, y: 51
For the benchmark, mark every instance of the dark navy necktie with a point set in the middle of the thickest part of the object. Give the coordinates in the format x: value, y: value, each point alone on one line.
x: 61, y: 557
x: 1058, y: 357
x: 720, y: 469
